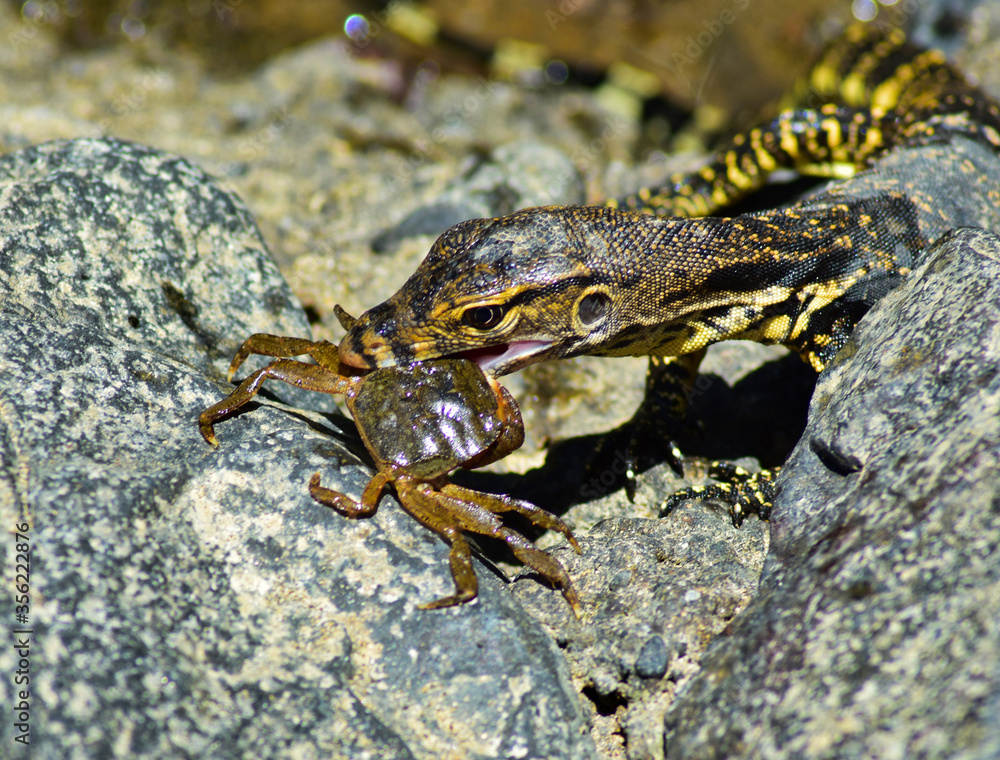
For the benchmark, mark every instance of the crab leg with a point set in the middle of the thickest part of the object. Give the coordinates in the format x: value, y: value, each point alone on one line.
x: 345, y: 504
x: 499, y: 503
x: 475, y: 512
x: 424, y: 506
x: 312, y: 377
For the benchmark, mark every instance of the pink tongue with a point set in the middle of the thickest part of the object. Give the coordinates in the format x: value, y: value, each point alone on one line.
x: 485, y: 356
x: 491, y: 356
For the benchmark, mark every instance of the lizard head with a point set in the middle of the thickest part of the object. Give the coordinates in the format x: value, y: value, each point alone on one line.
x: 504, y: 292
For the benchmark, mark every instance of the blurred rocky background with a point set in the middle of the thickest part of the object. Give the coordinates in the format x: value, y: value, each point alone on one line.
x: 356, y: 132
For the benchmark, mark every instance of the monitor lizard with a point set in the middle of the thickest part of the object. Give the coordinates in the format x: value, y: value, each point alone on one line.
x: 642, y: 276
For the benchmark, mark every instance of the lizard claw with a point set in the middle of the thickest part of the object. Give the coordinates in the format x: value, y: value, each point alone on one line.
x: 746, y: 493
x: 674, y: 458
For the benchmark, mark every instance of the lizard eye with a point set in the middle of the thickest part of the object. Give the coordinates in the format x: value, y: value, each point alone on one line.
x: 483, y: 317
x: 593, y: 308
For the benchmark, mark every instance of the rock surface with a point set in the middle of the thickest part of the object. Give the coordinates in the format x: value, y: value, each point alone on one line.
x: 190, y: 600
x: 281, y: 628
x: 187, y: 601
x: 318, y: 140
x: 876, y: 631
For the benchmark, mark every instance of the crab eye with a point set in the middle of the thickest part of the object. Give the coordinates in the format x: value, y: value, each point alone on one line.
x: 483, y: 317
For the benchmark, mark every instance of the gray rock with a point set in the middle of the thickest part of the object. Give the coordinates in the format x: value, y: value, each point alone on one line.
x: 655, y: 593
x: 515, y: 176
x: 191, y: 601
x: 653, y: 658
x: 876, y: 632
x: 146, y: 250
x: 187, y: 601
x: 328, y: 157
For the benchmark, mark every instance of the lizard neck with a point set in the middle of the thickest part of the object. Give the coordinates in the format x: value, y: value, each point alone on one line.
x: 678, y: 285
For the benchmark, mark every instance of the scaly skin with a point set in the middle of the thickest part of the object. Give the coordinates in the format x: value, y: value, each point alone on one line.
x: 561, y: 281
x: 556, y: 282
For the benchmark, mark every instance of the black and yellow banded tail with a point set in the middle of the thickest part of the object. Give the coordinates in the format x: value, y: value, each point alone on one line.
x: 870, y: 91
x: 832, y: 141
x: 873, y: 67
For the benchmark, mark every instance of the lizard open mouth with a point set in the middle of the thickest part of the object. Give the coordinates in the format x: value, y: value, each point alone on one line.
x: 505, y: 358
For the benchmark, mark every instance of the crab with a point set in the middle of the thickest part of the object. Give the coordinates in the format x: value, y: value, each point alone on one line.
x: 419, y: 422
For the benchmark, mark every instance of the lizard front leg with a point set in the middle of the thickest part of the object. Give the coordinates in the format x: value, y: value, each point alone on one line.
x: 670, y: 381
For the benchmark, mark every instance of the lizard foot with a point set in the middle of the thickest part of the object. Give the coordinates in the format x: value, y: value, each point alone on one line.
x: 746, y: 493
x: 623, y: 454
x: 662, y: 415
x: 674, y: 458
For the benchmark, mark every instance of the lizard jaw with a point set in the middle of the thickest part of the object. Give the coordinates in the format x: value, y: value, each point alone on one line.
x: 505, y: 358
x: 500, y: 359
